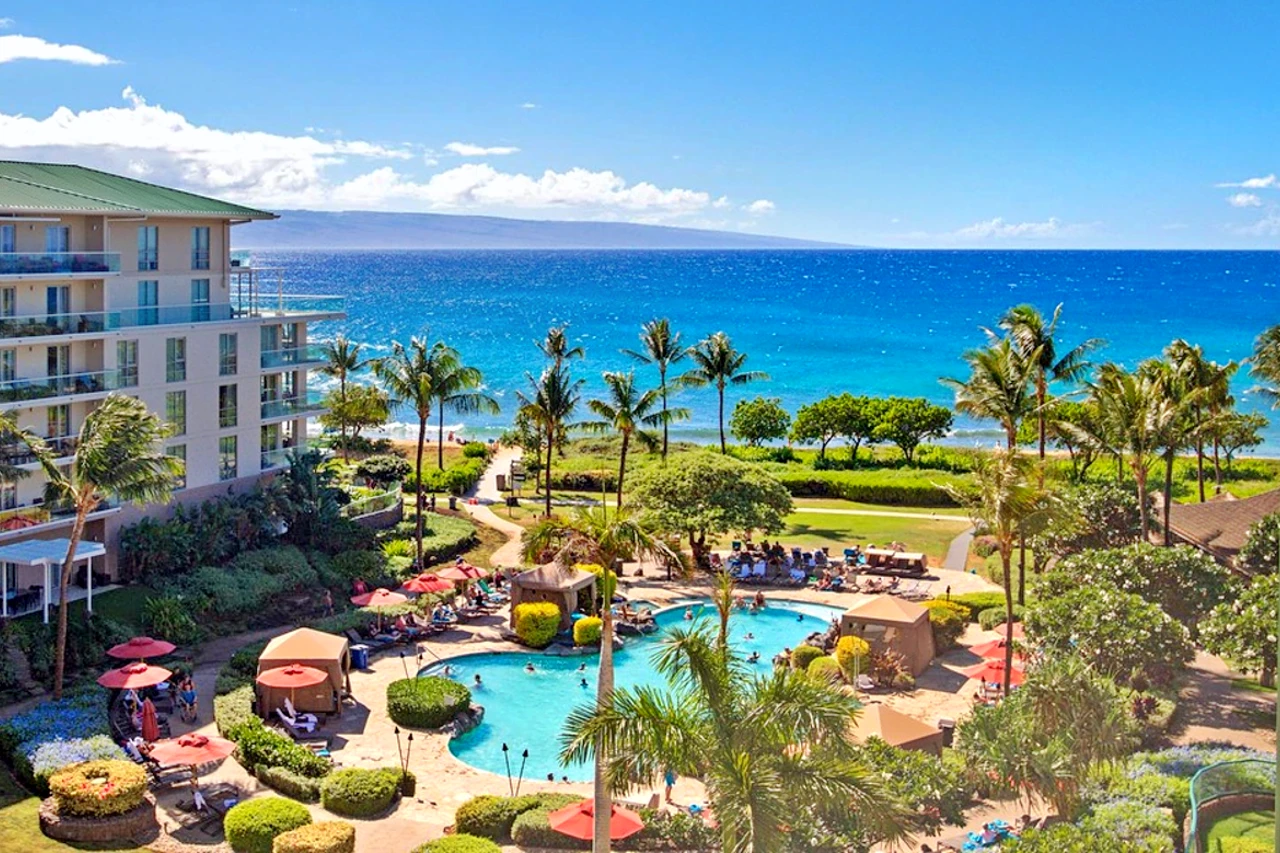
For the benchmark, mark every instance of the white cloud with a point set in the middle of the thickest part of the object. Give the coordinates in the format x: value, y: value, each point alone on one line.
x: 1244, y: 200
x: 13, y: 48
x: 721, y: 203
x: 1267, y: 226
x: 999, y: 229
x: 760, y: 206
x: 1263, y: 183
x: 5, y: 23
x: 528, y: 105
x: 468, y: 149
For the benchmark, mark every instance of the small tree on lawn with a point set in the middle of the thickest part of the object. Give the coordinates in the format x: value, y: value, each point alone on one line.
x: 1244, y: 631
x: 384, y: 469
x: 759, y: 420
x: 909, y: 421
x: 818, y: 422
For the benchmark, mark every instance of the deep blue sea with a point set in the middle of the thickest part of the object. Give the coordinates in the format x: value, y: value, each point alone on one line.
x: 819, y: 322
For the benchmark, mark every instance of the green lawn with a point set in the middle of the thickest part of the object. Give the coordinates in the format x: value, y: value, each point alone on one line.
x: 20, y: 825
x: 1256, y: 825
x: 836, y: 503
x: 122, y: 605
x: 810, y: 529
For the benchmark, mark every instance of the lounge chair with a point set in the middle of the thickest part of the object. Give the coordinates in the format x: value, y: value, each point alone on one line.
x: 292, y: 712
x: 296, y: 724
x: 865, y: 683
x: 492, y: 594
x: 357, y: 638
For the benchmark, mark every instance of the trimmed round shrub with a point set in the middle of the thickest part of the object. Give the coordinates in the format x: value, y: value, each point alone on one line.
x: 586, y: 631
x: 994, y: 616
x: 537, y: 623
x: 978, y: 602
x: 948, y: 621
x: 426, y: 703
x: 327, y: 836
x: 460, y: 843
x: 851, y: 654
x: 489, y: 816
x: 98, y: 788
x: 1245, y: 845
x: 825, y: 667
x: 803, y: 655
x: 532, y: 829
x: 252, y: 826
x: 282, y: 780
x: 357, y: 792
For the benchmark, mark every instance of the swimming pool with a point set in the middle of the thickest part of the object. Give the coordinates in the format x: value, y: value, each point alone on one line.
x: 527, y: 710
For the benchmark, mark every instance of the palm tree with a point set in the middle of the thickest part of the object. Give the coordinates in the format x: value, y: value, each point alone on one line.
x: 627, y: 412
x: 1004, y: 503
x: 1212, y: 382
x: 342, y: 358
x: 13, y: 436
x: 1180, y: 396
x: 1264, y: 364
x: 555, y: 346
x: 409, y: 376
x: 764, y: 746
x: 662, y: 347
x: 719, y: 364
x: 118, y: 454
x: 457, y: 386
x: 1036, y: 342
x: 998, y: 386
x: 551, y: 401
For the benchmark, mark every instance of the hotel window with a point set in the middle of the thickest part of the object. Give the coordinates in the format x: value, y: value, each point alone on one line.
x: 8, y: 365
x: 148, y: 247
x: 179, y: 452
x: 8, y: 238
x: 227, y: 457
x: 227, y: 355
x: 200, y: 247
x: 175, y: 360
x: 270, y: 338
x: 57, y: 239
x: 58, y: 421
x: 175, y: 411
x: 11, y: 575
x: 57, y: 299
x: 8, y: 495
x: 148, y: 299
x: 226, y: 406
x: 127, y: 363
x: 58, y: 360
x: 199, y: 299
x: 8, y: 301
x: 289, y: 336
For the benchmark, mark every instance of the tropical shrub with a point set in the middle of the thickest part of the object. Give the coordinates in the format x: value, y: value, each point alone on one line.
x: 948, y: 621
x: 383, y: 469
x: 327, y: 836
x: 532, y: 829
x: 98, y: 788
x: 1091, y: 516
x: 1245, y: 845
x: 475, y: 450
x: 251, y: 826
x: 851, y: 655
x: 825, y: 667
x: 257, y: 745
x: 166, y: 616
x: 459, y: 843
x: 586, y: 631
x: 490, y: 816
x: 1259, y: 554
x: 426, y: 703
x: 901, y: 487
x: 937, y: 789
x: 993, y: 616
x: 977, y: 602
x: 537, y: 623
x: 1131, y: 821
x: 803, y: 655
x: 358, y: 564
x: 398, y: 548
x: 359, y: 792
x: 1070, y: 838
x: 1244, y: 631
x: 282, y: 780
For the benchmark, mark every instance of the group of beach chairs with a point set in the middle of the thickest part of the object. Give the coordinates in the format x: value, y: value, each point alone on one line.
x: 886, y: 569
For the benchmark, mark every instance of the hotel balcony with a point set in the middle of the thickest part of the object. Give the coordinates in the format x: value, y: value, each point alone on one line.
x: 299, y: 356
x: 272, y: 459
x: 299, y: 405
x: 15, y: 392
x: 35, y: 517
x: 17, y: 265
x: 17, y: 454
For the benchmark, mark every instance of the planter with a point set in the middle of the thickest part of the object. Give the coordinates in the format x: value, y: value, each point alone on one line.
x: 408, y: 786
x: 140, y: 823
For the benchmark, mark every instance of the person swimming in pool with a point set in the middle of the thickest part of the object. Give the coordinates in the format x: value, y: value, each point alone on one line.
x: 529, y: 667
x: 582, y: 667
x: 749, y: 636
x: 584, y: 682
x: 688, y: 614
x: 799, y: 617
x: 754, y: 657
x: 479, y: 683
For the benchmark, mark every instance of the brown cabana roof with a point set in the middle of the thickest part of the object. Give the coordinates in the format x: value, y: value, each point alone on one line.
x: 895, y: 728
x: 554, y: 577
x: 308, y: 647
x: 1221, y: 527
x: 888, y: 608
x: 304, y: 644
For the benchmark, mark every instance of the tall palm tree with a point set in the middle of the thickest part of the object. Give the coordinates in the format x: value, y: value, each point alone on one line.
x: 555, y: 346
x: 459, y: 387
x: 718, y: 363
x: 1037, y: 343
x: 342, y: 358
x: 119, y: 454
x: 998, y: 386
x: 1004, y: 504
x: 409, y: 376
x: 15, y: 437
x: 1212, y: 382
x: 1181, y: 398
x: 764, y: 746
x: 1264, y: 364
x: 664, y: 348
x: 550, y: 402
x: 626, y: 411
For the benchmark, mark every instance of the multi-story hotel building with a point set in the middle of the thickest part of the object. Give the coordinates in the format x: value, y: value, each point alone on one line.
x: 109, y: 284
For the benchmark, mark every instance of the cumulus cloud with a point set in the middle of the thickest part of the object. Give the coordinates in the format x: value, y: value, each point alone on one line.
x: 999, y: 229
x: 760, y: 206
x: 14, y: 48
x: 1267, y: 226
x: 1266, y: 182
x: 528, y: 105
x: 467, y: 149
x: 5, y: 23
x: 1244, y: 200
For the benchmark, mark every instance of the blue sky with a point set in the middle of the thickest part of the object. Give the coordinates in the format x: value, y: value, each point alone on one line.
x: 890, y: 124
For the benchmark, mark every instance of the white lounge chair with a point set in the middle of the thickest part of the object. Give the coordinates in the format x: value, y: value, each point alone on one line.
x: 865, y: 684
x: 295, y: 724
x: 293, y: 713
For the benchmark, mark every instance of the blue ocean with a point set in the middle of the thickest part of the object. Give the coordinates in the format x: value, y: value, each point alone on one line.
x: 818, y: 322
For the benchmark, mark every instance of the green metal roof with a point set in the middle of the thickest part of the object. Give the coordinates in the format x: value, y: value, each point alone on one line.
x: 64, y: 188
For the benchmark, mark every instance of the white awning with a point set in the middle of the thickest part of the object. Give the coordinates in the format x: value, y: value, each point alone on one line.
x: 48, y: 552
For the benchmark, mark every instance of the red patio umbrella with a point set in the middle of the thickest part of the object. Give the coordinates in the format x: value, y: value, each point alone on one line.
x: 293, y: 676
x: 192, y: 750
x: 426, y: 582
x: 150, y: 722
x: 994, y: 650
x: 454, y: 573
x: 140, y: 648
x: 379, y: 598
x: 578, y: 821
x: 992, y: 672
x: 134, y: 676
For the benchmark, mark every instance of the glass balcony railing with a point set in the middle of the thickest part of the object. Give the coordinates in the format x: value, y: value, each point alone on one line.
x: 30, y: 515
x: 17, y: 453
x: 263, y: 305
x: 300, y: 404
x: 58, y: 263
x: 275, y: 458
x: 17, y: 390
x: 289, y: 356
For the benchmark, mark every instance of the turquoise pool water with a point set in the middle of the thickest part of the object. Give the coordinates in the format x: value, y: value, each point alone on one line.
x: 527, y: 710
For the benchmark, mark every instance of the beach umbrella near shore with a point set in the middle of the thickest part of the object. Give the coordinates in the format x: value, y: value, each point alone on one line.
x: 141, y: 648
x: 134, y: 676
x: 578, y: 821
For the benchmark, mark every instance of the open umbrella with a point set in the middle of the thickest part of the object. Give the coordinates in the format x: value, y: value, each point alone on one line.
x: 150, y: 722
x: 454, y: 573
x: 992, y: 672
x: 426, y: 582
x: 293, y: 677
x: 192, y: 750
x: 578, y: 821
x: 994, y: 650
x: 379, y: 598
x: 141, y: 648
x: 134, y: 676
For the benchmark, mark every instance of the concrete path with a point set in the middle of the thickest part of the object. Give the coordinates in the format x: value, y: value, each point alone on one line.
x: 1211, y: 708
x: 486, y: 492
x: 958, y: 552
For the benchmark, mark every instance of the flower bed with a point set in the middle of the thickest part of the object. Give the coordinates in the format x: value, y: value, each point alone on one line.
x: 54, y: 735
x: 426, y: 703
x: 98, y: 788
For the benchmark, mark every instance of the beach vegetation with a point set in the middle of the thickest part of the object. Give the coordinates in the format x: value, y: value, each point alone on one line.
x: 719, y: 364
x: 383, y: 470
x: 759, y: 420
x: 999, y: 385
x: 629, y: 413
x: 664, y: 348
x: 354, y: 410
x: 548, y: 404
x: 458, y: 387
x: 342, y: 359
x: 907, y: 422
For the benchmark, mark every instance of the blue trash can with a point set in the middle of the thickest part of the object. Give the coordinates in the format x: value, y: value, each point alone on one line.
x: 360, y: 657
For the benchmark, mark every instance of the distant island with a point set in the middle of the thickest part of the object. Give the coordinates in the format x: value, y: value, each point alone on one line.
x: 311, y: 229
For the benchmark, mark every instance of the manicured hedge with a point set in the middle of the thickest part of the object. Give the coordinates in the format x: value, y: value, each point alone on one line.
x: 327, y: 836
x: 899, y: 486
x: 426, y: 703
x: 531, y: 828
x: 586, y: 631
x: 825, y: 667
x: 993, y: 616
x: 978, y: 602
x: 803, y: 655
x: 357, y: 792
x: 948, y: 620
x: 291, y: 784
x: 252, y: 826
x: 490, y: 816
x: 537, y: 623
x: 259, y: 746
x: 851, y: 654
x: 98, y: 788
x: 1245, y: 845
x: 460, y: 843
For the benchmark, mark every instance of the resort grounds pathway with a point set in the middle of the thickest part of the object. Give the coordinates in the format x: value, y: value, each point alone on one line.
x: 1212, y: 707
x: 486, y: 493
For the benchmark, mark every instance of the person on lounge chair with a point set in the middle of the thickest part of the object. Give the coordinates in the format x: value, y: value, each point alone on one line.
x: 301, y: 718
x: 295, y: 723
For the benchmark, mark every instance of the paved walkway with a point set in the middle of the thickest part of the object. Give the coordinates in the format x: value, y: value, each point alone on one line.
x: 958, y: 552
x: 1211, y: 708
x: 486, y: 492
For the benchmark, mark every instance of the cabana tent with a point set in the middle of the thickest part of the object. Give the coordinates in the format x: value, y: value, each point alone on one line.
x: 896, y: 729
x: 553, y: 582
x: 308, y: 647
x: 49, y: 555
x: 891, y: 624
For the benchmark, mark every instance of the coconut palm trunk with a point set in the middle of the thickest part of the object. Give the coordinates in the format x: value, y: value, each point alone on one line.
x: 64, y: 581
x: 440, y: 441
x: 720, y: 389
x: 604, y: 699
x: 1006, y: 567
x: 551, y: 452
x: 418, y: 504
x: 622, y: 463
x: 1168, y: 494
x: 662, y: 386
